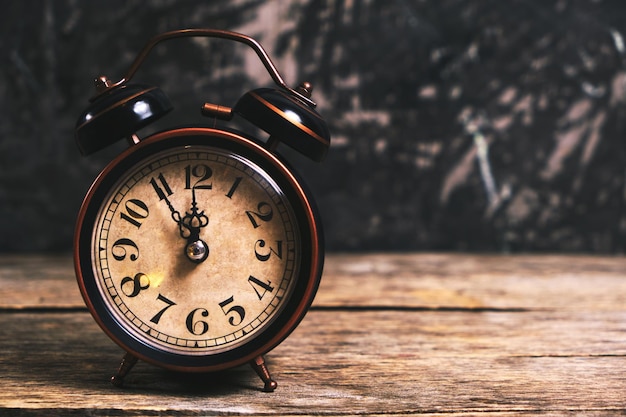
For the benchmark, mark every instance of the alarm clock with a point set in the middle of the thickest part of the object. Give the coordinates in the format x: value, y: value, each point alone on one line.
x: 199, y: 249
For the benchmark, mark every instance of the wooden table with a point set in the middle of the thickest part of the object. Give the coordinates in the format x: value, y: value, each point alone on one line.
x: 398, y: 334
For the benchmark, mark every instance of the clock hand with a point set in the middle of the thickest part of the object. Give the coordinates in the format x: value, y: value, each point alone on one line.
x: 193, y: 220
x: 163, y: 190
x: 175, y: 214
x: 189, y: 226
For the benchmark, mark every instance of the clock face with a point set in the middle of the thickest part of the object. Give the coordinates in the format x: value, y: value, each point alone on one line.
x: 195, y: 251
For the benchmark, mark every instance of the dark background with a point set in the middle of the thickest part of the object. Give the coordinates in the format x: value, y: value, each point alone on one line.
x: 481, y: 125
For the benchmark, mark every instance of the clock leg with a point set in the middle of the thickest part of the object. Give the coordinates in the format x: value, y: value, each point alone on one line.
x: 261, y: 370
x: 127, y: 364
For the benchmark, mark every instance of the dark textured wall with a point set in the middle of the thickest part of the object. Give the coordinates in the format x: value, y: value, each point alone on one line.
x: 457, y: 125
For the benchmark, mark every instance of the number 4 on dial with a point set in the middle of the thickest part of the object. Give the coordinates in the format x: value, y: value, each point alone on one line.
x: 257, y: 284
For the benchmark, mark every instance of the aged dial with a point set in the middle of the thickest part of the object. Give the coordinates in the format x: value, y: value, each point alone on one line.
x: 196, y: 250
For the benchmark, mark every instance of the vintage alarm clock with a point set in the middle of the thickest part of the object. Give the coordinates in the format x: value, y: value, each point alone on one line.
x: 199, y: 249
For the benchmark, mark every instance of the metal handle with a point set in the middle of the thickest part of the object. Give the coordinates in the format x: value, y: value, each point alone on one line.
x: 212, y: 33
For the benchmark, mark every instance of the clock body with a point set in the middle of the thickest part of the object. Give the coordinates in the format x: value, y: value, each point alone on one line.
x: 198, y: 250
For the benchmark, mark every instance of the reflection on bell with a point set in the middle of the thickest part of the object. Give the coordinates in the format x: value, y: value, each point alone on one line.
x: 118, y: 114
x: 286, y: 119
x: 142, y: 109
x: 293, y: 116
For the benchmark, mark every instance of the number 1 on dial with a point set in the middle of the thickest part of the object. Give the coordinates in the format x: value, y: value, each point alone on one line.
x: 234, y: 187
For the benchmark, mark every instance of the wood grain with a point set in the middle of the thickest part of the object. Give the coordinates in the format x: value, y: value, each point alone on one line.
x: 468, y: 335
x: 363, y: 362
x: 387, y: 280
x: 475, y: 281
x: 31, y: 281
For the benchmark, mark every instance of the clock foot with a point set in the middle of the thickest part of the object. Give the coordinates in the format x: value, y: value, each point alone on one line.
x: 127, y: 364
x: 261, y: 370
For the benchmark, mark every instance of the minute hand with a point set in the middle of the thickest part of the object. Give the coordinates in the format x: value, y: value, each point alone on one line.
x: 193, y: 221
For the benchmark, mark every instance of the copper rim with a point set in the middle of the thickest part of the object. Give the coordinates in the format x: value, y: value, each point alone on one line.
x: 312, y: 248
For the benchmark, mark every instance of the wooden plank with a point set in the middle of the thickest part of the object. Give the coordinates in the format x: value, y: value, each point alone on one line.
x: 337, y: 362
x: 475, y: 281
x: 405, y: 334
x: 434, y: 281
x: 38, y: 281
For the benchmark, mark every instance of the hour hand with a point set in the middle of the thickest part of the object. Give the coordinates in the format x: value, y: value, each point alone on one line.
x: 193, y: 220
x: 197, y: 249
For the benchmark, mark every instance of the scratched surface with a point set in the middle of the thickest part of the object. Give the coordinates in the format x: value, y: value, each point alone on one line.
x: 482, y: 125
